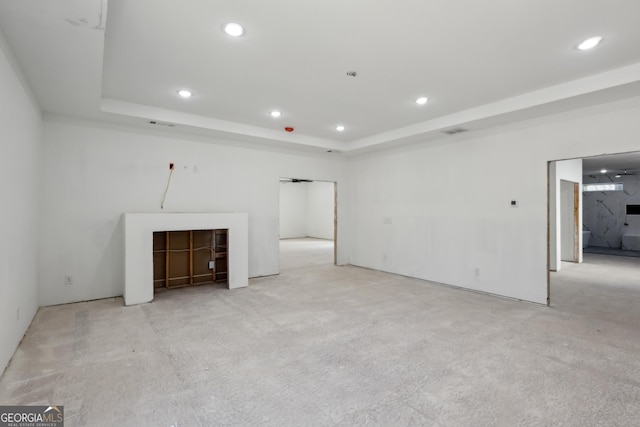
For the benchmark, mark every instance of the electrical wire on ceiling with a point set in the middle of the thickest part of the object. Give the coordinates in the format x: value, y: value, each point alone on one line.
x: 166, y: 190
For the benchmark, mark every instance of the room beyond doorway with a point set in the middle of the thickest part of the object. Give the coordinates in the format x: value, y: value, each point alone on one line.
x: 308, y: 213
x: 608, y: 189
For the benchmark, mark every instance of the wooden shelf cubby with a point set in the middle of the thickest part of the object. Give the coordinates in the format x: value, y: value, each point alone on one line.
x: 185, y: 258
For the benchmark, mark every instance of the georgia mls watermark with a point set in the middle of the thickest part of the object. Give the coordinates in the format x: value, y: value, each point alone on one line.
x: 31, y: 416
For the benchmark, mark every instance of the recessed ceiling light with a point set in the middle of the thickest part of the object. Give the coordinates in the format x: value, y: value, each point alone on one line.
x: 340, y: 128
x: 233, y: 29
x: 618, y: 176
x: 603, y: 171
x: 275, y: 114
x: 422, y: 100
x: 590, y: 43
x: 185, y: 93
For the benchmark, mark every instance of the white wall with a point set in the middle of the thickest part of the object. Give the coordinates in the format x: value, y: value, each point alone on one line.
x: 567, y: 170
x: 20, y: 138
x: 306, y: 210
x: 440, y: 210
x: 293, y: 210
x: 93, y: 172
x: 320, y: 201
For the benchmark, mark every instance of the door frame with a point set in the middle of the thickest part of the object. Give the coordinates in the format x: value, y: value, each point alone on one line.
x: 335, y: 214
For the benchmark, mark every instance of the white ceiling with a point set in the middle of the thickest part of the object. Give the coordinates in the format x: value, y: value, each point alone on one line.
x: 615, y: 163
x: 480, y: 62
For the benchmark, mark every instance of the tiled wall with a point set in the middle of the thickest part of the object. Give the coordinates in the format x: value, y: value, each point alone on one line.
x: 604, y: 212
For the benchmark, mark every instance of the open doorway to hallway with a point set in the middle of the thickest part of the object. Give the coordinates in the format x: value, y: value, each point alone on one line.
x: 308, y: 222
x: 604, y: 224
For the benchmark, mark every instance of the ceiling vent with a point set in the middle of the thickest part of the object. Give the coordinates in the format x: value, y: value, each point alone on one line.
x: 294, y: 180
x: 455, y: 131
x: 155, y: 122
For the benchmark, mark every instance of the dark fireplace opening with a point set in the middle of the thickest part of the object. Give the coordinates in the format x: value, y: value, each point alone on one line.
x: 189, y: 258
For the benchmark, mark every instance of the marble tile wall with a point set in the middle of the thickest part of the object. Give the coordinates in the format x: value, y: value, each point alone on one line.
x: 604, y: 212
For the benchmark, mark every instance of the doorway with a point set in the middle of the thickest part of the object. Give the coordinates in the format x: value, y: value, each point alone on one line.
x: 611, y: 206
x: 589, y: 200
x: 308, y: 222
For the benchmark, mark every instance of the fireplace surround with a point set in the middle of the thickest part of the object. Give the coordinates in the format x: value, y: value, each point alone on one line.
x: 138, y: 231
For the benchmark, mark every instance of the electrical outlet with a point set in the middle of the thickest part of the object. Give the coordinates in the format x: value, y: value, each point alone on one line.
x: 68, y: 280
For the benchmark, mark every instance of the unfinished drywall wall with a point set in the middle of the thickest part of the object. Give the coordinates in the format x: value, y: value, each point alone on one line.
x: 307, y: 210
x: 20, y: 138
x: 440, y: 210
x: 94, y: 172
x: 320, y: 202
x: 293, y: 210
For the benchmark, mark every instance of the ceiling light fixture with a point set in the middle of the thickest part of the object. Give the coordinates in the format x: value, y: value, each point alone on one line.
x: 233, y: 29
x: 618, y: 176
x: 603, y: 171
x: 422, y: 100
x: 590, y: 43
x: 340, y: 128
x: 185, y: 93
x: 275, y: 114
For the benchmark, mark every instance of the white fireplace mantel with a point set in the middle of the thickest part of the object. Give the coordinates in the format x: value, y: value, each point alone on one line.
x: 138, y: 247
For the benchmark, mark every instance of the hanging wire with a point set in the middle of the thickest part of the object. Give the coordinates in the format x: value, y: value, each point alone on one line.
x: 164, y: 196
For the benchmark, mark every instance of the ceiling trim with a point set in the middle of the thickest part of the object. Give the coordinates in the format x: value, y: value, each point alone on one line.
x: 528, y: 101
x: 583, y: 86
x: 178, y: 118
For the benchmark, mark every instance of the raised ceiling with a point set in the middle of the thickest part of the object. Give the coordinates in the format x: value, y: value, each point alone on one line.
x: 478, y: 62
